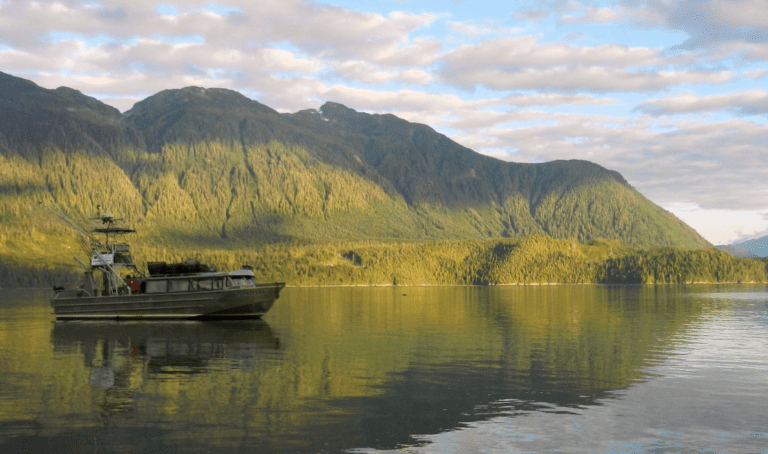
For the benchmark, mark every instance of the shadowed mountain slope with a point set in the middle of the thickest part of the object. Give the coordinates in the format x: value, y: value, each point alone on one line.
x: 33, y: 118
x: 429, y: 167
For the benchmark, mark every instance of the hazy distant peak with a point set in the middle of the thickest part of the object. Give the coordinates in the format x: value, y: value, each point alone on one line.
x: 736, y: 251
x: 757, y: 246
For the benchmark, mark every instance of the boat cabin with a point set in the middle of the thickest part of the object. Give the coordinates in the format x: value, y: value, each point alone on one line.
x: 197, y: 283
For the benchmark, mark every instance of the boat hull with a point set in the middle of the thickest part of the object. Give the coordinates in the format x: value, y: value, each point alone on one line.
x: 250, y: 302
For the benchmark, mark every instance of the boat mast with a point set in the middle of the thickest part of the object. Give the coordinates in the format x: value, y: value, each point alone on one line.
x: 98, y: 251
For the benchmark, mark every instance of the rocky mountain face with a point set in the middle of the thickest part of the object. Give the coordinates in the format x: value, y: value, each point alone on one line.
x: 210, y: 165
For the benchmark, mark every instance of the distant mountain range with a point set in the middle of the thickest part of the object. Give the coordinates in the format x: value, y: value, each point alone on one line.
x: 202, y: 166
x: 755, y: 248
x: 758, y: 246
x: 737, y: 251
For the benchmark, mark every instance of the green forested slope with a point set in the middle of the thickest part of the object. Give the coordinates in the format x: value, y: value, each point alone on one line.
x: 210, y: 170
x: 273, y: 192
x: 532, y: 260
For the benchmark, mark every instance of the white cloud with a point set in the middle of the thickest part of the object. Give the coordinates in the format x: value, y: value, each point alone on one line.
x: 391, y: 101
x: 324, y: 29
x: 751, y: 102
x: 581, y: 77
x: 481, y: 119
x: 756, y: 51
x: 721, y: 226
x: 371, y: 74
x: 532, y: 15
x: 756, y: 74
x: 706, y: 22
x: 545, y: 99
x: 738, y: 13
x: 713, y: 22
x: 418, y: 52
x: 524, y: 63
x: 592, y: 16
x: 474, y: 29
x: 572, y: 12
x: 339, y: 33
x: 526, y: 51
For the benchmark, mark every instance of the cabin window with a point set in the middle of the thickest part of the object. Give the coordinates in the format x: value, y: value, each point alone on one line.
x: 205, y: 284
x: 122, y: 248
x: 157, y: 286
x: 243, y: 281
x: 178, y: 285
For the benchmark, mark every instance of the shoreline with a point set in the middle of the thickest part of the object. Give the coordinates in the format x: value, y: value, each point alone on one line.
x: 516, y: 284
x: 471, y: 285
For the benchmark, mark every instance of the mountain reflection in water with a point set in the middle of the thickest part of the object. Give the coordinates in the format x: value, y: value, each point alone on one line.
x: 332, y: 370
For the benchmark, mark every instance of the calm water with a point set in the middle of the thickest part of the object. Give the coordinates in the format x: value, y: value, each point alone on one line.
x: 406, y: 369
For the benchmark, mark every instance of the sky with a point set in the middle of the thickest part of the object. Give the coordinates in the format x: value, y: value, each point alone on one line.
x: 670, y: 93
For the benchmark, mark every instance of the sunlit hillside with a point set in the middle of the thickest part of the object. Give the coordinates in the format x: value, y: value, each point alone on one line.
x: 211, y: 171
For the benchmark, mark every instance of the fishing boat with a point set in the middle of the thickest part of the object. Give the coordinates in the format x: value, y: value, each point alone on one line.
x: 113, y: 287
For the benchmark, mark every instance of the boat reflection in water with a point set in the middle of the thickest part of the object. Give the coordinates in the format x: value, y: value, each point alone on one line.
x: 116, y: 352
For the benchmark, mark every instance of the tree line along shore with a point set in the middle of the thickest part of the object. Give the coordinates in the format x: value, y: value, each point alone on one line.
x: 530, y: 260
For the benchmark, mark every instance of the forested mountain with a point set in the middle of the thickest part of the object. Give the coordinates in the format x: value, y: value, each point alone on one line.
x: 209, y: 167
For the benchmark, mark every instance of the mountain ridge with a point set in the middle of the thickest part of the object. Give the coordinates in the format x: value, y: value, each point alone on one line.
x: 36, y: 117
x: 212, y: 164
